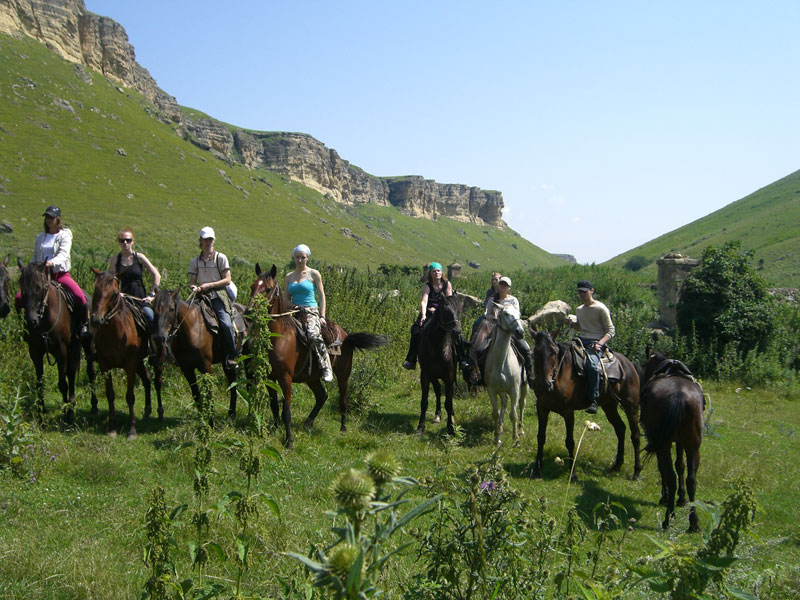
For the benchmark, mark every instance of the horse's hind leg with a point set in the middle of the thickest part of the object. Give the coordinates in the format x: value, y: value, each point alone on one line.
x: 448, y: 406
x: 495, y: 415
x: 619, y: 429
x: 680, y: 469
x: 668, y: 481
x: 158, y: 372
x: 130, y: 398
x: 275, y: 407
x: 92, y: 375
x: 541, y: 436
x: 320, y: 396
x: 145, y: 376
x: 112, y: 413
x: 569, y: 440
x: 73, y: 366
x: 343, y: 367
x: 692, y: 464
x: 425, y: 384
x: 437, y: 391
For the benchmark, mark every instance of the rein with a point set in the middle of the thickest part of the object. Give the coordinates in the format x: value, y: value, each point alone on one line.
x: 115, y: 310
x: 40, y: 316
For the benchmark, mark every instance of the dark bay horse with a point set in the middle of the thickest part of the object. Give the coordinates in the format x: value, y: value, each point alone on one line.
x: 52, y: 330
x: 181, y: 332
x: 292, y: 361
x: 672, y: 412
x: 121, y: 344
x: 437, y: 360
x: 559, y: 389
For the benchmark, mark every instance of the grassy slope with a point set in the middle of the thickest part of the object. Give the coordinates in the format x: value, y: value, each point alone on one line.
x: 767, y: 222
x: 166, y: 188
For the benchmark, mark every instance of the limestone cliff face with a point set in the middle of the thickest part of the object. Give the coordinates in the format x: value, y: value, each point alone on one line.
x: 83, y: 37
x: 102, y: 44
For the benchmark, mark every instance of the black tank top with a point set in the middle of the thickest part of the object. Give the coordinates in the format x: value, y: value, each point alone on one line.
x: 131, y: 277
x: 436, y: 298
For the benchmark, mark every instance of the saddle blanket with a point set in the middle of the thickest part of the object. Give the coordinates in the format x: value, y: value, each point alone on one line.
x: 611, y: 367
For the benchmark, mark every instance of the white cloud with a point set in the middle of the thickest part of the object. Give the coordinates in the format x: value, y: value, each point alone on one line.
x: 557, y: 200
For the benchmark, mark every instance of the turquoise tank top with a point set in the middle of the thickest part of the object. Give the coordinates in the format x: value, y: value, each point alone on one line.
x: 303, y: 293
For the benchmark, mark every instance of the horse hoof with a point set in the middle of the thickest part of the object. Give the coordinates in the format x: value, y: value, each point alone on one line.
x: 343, y: 429
x: 574, y: 478
x: 420, y: 430
x: 112, y: 434
x: 308, y: 424
x: 132, y: 436
x: 161, y: 416
x: 437, y: 418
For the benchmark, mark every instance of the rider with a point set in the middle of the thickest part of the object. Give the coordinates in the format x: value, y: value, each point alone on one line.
x: 487, y: 300
x: 210, y: 273
x: 127, y: 265
x: 493, y: 306
x: 303, y: 284
x: 52, y: 249
x: 435, y: 289
x: 593, y: 320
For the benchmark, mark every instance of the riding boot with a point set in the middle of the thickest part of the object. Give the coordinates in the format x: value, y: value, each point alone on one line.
x: 527, y: 358
x: 411, y: 358
x: 82, y: 316
x: 324, y: 359
x: 592, y: 380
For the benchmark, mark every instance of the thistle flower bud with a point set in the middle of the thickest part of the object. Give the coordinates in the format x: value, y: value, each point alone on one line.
x: 342, y: 560
x: 382, y: 466
x: 353, y: 490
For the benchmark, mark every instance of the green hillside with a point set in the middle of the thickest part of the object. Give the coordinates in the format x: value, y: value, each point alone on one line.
x: 767, y: 222
x: 105, y: 155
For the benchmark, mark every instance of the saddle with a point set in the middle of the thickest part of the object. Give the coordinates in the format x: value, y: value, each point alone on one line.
x: 672, y: 367
x: 135, y: 306
x: 610, y: 366
x: 210, y: 318
x: 332, y: 342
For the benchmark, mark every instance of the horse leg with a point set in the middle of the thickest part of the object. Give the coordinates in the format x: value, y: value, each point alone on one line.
x: 38, y: 366
x: 437, y: 391
x: 425, y: 383
x: 191, y: 378
x: 342, y: 369
x: 320, y: 396
x: 286, y: 388
x: 631, y: 408
x: 145, y: 376
x: 112, y: 414
x: 275, y: 407
x: 569, y: 440
x: 495, y: 415
x: 692, y: 464
x: 541, y: 436
x: 667, y: 480
x: 158, y: 371
x: 92, y: 375
x: 73, y: 366
x: 449, y: 388
x: 130, y: 398
x: 523, y: 392
x: 680, y: 469
x: 513, y: 398
x: 610, y: 408
x: 63, y: 387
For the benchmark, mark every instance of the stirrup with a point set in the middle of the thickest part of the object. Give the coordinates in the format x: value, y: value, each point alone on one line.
x: 410, y: 365
x: 592, y: 408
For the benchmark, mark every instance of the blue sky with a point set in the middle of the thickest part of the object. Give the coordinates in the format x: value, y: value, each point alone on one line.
x: 604, y: 124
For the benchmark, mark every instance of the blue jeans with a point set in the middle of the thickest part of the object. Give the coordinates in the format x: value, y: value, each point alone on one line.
x: 592, y: 368
x: 225, y: 326
x: 150, y: 316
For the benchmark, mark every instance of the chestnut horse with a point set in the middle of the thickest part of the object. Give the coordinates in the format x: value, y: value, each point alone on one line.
x: 437, y: 360
x: 672, y: 412
x: 121, y: 344
x: 559, y: 389
x: 51, y: 330
x: 181, y: 333
x: 292, y: 361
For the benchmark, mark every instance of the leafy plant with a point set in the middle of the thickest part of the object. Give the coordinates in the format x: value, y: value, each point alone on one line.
x: 15, y: 433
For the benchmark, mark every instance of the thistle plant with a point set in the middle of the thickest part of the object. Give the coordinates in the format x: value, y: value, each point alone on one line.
x: 15, y: 434
x: 157, y: 551
x: 350, y: 567
x: 202, y: 463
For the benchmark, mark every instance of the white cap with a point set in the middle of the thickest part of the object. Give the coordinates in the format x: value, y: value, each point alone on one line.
x: 207, y: 232
x: 302, y: 248
x: 506, y: 280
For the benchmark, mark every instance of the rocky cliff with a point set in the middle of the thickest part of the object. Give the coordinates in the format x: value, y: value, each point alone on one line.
x: 102, y: 44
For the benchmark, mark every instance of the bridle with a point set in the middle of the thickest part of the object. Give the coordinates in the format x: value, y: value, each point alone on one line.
x: 114, y: 309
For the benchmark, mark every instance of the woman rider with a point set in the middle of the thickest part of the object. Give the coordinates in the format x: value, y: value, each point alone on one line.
x: 127, y: 265
x: 210, y: 274
x: 433, y: 293
x: 304, y: 286
x: 494, y: 305
x: 52, y: 249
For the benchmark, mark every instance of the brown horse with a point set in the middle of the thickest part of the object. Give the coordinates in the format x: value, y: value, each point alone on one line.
x: 121, y: 344
x: 559, y: 389
x: 437, y: 360
x: 292, y: 361
x: 51, y: 330
x: 672, y: 412
x: 181, y: 333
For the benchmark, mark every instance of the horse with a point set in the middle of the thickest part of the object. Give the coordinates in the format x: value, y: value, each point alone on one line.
x: 51, y: 330
x: 292, y: 361
x: 182, y: 334
x: 503, y: 375
x: 121, y: 344
x: 437, y: 361
x: 559, y: 389
x: 672, y: 412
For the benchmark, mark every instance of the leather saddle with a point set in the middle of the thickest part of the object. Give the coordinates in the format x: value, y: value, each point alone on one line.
x: 329, y: 336
x: 610, y: 366
x: 210, y: 318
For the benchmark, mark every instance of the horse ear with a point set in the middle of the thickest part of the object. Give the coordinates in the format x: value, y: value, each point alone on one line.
x: 6, y: 260
x: 97, y: 272
x: 20, y: 264
x: 258, y: 269
x: 273, y: 271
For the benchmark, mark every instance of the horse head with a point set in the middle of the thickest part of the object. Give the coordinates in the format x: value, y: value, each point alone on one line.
x: 165, y: 307
x: 446, y: 314
x: 34, y: 282
x: 508, y: 320
x: 265, y: 284
x: 545, y: 360
x: 5, y: 308
x: 106, y: 298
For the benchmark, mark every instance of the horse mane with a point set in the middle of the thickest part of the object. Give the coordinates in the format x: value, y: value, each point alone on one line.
x: 32, y: 279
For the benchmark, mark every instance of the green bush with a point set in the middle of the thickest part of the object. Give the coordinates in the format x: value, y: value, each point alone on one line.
x: 636, y: 263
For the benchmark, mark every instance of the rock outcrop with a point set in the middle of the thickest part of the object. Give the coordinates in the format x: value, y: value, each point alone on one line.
x: 102, y: 44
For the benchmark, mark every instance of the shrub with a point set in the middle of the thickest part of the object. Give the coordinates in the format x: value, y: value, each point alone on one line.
x: 636, y: 263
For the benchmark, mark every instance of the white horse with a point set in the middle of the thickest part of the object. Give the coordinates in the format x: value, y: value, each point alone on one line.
x: 503, y: 375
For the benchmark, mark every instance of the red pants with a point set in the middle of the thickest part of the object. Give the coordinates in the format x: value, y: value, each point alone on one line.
x: 69, y: 284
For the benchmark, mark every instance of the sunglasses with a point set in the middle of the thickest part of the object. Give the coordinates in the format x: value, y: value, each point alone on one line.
x: 125, y: 240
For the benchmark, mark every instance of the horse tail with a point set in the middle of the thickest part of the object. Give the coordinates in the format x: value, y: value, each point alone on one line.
x: 659, y: 432
x: 365, y: 341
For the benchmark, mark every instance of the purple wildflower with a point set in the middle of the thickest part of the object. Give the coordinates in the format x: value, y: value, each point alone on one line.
x: 488, y: 486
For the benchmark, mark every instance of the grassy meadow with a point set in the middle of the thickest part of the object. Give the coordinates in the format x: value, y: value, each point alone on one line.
x: 74, y: 516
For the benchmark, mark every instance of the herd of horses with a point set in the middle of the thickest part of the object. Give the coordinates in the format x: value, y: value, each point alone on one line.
x: 663, y: 392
